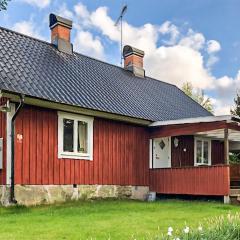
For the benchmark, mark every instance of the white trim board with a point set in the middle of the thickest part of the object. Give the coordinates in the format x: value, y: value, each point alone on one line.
x: 227, y: 118
x: 75, y: 109
x: 8, y: 141
x: 150, y: 153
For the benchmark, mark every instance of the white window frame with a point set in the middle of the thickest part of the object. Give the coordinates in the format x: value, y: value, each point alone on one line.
x: 150, y: 153
x: 75, y: 154
x: 209, y: 151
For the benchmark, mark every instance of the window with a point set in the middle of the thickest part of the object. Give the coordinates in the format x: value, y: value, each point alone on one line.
x: 75, y: 136
x: 202, y: 151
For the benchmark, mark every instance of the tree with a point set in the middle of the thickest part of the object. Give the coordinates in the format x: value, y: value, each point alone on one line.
x: 198, y: 95
x: 236, y: 110
x: 3, y: 4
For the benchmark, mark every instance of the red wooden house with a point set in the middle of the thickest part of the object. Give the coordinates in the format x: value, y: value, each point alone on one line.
x: 75, y: 127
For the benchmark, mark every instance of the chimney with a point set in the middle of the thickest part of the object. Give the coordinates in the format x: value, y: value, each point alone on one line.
x: 133, y: 60
x: 61, y: 33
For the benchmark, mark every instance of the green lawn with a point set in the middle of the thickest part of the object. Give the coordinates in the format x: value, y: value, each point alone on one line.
x: 104, y: 219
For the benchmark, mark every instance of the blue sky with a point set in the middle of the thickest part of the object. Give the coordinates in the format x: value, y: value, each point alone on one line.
x: 196, y: 41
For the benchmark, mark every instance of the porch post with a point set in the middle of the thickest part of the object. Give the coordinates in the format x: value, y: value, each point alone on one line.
x: 226, y: 146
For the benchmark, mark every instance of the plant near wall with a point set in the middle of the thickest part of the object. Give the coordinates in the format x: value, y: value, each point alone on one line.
x: 3, y: 4
x: 198, y: 96
x: 234, y: 158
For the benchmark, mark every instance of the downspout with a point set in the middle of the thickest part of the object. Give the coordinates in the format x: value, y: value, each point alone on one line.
x: 20, y: 106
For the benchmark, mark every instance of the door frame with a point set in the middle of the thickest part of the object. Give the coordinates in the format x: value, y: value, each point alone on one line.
x: 151, y: 152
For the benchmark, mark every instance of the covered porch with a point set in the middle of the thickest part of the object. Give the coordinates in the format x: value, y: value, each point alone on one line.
x: 191, y: 156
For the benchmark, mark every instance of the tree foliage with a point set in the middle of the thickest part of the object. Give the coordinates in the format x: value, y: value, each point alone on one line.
x: 3, y: 4
x: 236, y: 110
x: 198, y: 95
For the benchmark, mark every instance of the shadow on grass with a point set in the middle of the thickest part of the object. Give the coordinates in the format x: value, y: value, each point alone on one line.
x: 16, y: 209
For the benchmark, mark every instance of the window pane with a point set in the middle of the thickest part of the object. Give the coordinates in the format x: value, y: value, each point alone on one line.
x: 68, y: 135
x: 205, y: 152
x: 82, y: 137
x: 199, y: 151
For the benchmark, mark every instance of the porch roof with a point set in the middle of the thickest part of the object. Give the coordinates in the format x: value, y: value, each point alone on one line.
x: 206, y: 126
x: 227, y: 118
x: 218, y: 134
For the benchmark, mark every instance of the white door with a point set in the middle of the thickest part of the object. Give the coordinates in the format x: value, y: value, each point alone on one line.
x: 162, y: 152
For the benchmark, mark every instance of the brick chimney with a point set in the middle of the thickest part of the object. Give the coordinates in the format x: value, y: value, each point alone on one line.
x: 133, y: 60
x: 61, y: 33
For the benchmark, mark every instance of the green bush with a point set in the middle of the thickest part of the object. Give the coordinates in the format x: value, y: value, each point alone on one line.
x: 234, y: 158
x: 219, y: 228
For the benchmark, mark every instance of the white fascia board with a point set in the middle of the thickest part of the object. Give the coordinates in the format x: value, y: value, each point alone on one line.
x: 228, y: 118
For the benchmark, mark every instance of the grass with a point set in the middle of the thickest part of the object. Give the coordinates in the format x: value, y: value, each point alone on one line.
x: 105, y: 219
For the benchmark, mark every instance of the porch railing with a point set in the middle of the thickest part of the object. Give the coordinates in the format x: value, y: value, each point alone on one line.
x: 235, y: 174
x: 205, y: 180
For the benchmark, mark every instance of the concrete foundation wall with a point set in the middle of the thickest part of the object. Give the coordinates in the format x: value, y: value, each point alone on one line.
x: 47, y: 194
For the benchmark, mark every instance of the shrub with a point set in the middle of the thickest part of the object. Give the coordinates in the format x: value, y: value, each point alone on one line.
x: 234, y: 158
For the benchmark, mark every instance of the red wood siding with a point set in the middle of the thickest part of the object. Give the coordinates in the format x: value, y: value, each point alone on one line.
x: 186, y: 159
x: 212, y: 180
x: 120, y: 153
x: 3, y: 131
x: 217, y: 152
x: 179, y: 157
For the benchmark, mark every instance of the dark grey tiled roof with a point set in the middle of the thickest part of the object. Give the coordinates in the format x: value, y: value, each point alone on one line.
x: 37, y: 69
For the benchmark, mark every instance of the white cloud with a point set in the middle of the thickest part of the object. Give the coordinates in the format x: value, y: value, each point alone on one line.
x: 213, y: 46
x: 81, y: 11
x: 169, y: 28
x: 211, y: 61
x: 221, y: 107
x: 193, y: 40
x: 84, y: 42
x: 63, y: 11
x: 105, y: 24
x: 225, y: 91
x: 225, y: 82
x: 38, y: 3
x: 179, y: 64
x: 27, y: 28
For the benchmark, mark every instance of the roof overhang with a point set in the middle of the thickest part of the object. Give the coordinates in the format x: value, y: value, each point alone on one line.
x: 212, y: 126
x: 218, y: 134
x: 14, y: 97
x: 226, y: 118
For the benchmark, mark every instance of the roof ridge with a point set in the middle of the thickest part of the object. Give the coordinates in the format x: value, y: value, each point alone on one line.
x: 24, y: 35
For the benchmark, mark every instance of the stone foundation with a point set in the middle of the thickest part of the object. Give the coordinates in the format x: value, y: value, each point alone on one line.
x: 47, y: 194
x: 4, y: 195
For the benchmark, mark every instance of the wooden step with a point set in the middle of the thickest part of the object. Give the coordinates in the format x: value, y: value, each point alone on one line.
x: 235, y: 192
